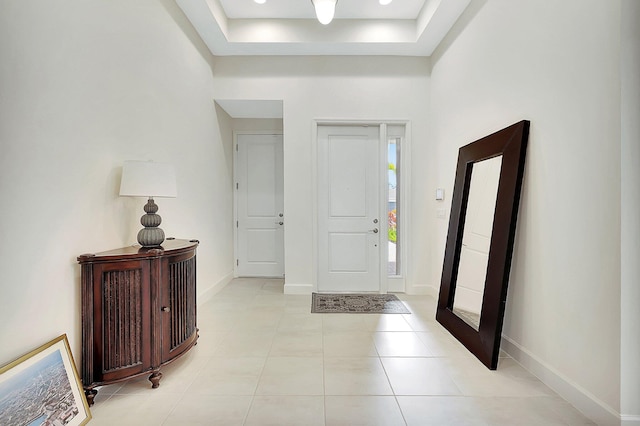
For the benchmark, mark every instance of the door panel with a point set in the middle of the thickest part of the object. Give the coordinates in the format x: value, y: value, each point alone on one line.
x: 348, y: 206
x: 259, y: 195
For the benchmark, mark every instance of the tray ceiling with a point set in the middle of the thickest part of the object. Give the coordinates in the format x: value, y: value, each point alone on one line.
x: 289, y: 27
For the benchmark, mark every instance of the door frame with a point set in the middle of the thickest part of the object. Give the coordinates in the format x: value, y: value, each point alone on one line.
x: 396, y: 284
x: 236, y: 133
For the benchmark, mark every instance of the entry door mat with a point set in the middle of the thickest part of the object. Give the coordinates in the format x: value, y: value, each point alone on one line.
x: 322, y: 303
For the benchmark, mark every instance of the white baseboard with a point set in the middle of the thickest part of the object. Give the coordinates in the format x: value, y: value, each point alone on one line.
x: 583, y: 400
x: 630, y: 420
x: 206, y: 295
x: 298, y: 288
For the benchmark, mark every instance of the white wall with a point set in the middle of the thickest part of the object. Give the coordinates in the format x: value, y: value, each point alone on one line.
x: 85, y: 85
x: 345, y: 88
x: 630, y: 318
x: 557, y: 65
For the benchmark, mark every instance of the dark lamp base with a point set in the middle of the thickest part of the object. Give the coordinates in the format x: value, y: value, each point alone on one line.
x: 150, y: 235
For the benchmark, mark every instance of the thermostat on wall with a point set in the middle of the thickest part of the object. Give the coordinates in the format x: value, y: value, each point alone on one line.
x: 440, y: 194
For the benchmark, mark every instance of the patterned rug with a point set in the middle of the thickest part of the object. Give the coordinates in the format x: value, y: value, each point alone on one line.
x: 357, y: 304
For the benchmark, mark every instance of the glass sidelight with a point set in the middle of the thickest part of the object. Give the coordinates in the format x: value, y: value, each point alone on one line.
x: 393, y: 206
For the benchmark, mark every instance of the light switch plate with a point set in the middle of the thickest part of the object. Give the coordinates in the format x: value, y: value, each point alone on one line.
x: 440, y: 194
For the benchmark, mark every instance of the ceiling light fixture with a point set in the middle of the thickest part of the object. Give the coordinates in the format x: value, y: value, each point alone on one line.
x: 325, y: 9
x: 385, y: 2
x: 260, y: 1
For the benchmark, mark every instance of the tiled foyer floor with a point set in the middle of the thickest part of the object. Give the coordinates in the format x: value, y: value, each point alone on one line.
x: 264, y: 359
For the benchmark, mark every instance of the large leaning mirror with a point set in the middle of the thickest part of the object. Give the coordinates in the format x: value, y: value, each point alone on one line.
x: 479, y: 247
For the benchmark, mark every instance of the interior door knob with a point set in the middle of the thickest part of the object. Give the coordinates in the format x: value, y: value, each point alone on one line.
x: 374, y: 230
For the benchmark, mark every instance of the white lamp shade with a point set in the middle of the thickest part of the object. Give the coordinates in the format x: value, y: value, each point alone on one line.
x: 148, y: 179
x: 325, y: 9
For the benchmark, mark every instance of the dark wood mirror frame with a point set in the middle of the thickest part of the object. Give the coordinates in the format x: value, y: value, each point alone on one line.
x: 511, y: 143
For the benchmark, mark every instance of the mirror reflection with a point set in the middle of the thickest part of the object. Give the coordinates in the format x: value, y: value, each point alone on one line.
x: 474, y: 253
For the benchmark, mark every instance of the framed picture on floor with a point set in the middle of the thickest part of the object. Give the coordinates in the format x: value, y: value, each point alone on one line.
x: 43, y: 388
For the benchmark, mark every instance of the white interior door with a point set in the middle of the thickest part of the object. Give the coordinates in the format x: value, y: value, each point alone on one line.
x: 348, y: 209
x: 260, y: 206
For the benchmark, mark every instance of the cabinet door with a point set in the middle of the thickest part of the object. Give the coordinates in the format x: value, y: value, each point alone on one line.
x: 179, y: 305
x: 121, y: 322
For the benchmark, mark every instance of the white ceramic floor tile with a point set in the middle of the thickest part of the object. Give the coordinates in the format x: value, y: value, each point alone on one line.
x: 219, y: 321
x: 419, y: 376
x: 209, y: 341
x: 275, y: 286
x: 245, y: 344
x: 390, y: 322
x: 228, y: 376
x: 362, y: 411
x: 150, y: 408
x: 348, y: 322
x: 349, y: 344
x: 259, y: 321
x: 206, y: 410
x: 355, y: 376
x: 269, y: 300
x: 510, y: 379
x: 292, y: 376
x: 444, y: 410
x: 286, y: 411
x: 442, y: 344
x: 422, y: 322
x: 532, y: 411
x: 297, y: 343
x: 299, y: 305
x: 390, y: 344
x: 300, y: 322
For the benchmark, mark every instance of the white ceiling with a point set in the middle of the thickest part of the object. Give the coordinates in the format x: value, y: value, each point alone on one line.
x: 303, y: 9
x: 289, y: 27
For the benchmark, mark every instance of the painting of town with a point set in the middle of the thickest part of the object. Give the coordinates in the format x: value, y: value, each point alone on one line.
x: 42, y: 388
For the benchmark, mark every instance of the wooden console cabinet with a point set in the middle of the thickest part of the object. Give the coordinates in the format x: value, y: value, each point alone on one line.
x: 138, y: 311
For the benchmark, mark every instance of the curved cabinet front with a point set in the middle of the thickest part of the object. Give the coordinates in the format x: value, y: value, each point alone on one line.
x: 138, y: 311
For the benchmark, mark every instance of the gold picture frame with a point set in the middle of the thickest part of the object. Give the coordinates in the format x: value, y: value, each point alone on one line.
x: 43, y: 385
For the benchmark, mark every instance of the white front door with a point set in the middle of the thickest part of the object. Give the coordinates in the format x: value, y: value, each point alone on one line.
x: 260, y: 206
x: 348, y: 209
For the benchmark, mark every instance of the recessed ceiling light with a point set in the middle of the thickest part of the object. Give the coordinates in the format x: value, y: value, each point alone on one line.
x: 264, y: 1
x: 385, y: 2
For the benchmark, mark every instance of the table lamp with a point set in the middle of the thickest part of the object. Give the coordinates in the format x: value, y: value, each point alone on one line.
x: 149, y: 179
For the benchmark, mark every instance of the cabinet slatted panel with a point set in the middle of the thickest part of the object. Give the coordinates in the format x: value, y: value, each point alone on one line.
x: 122, y: 307
x: 182, y: 290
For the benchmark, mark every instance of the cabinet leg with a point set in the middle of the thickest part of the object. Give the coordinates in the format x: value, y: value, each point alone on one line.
x: 154, y: 378
x: 90, y: 394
